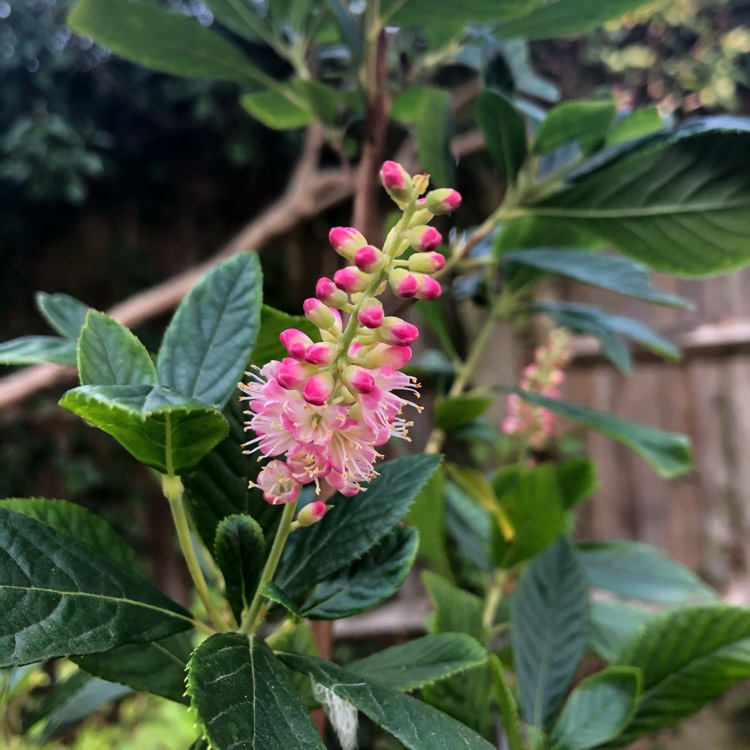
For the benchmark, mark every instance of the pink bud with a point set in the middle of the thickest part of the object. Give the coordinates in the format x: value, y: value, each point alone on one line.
x: 383, y: 355
x: 295, y: 342
x: 404, y: 283
x: 425, y: 238
x: 370, y: 315
x: 327, y: 292
x: 321, y: 354
x: 351, y: 280
x: 397, y: 181
x: 292, y: 374
x: 443, y: 201
x: 346, y: 241
x: 397, y: 332
x: 319, y: 389
x: 369, y: 259
x: 312, y: 513
x: 426, y: 262
x: 317, y: 313
x: 359, y: 379
x: 429, y: 288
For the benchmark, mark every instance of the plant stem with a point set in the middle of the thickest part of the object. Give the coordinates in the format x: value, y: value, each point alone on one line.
x: 174, y: 492
x: 250, y: 618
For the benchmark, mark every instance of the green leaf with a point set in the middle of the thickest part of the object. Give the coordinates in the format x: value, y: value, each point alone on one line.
x: 421, y: 662
x: 668, y: 453
x: 677, y: 201
x: 278, y: 110
x: 161, y: 428
x: 585, y: 121
x: 469, y: 525
x: 157, y: 667
x: 613, y: 623
x: 240, y: 551
x: 688, y: 657
x: 428, y: 108
x: 211, y: 336
x: 611, y: 272
x: 559, y: 18
x: 447, y: 13
x: 256, y: 707
x: 163, y: 41
x: 416, y: 725
x: 455, y: 411
x: 110, y: 354
x: 239, y: 16
x: 548, y: 629
x: 61, y: 599
x: 507, y: 704
x: 636, y: 124
x: 433, y: 314
x: 63, y: 312
x: 272, y: 323
x: 34, y: 350
x: 427, y: 515
x: 349, y: 30
x: 577, y: 481
x: 504, y: 131
x: 354, y: 525
x: 366, y: 582
x: 275, y: 594
x: 80, y: 524
x: 639, y: 571
x: 598, y: 709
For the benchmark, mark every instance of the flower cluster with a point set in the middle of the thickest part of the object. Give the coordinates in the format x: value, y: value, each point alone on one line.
x: 328, y: 406
x: 544, y: 376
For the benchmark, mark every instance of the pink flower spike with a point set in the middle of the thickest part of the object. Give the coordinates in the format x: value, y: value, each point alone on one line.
x: 346, y: 241
x: 426, y: 262
x: 312, y: 513
x: 295, y: 342
x: 397, y: 332
x: 425, y: 238
x: 292, y: 374
x: 321, y: 354
x: 443, y: 201
x: 327, y: 292
x: 369, y: 259
x: 359, y: 379
x: 383, y: 355
x: 319, y: 314
x: 370, y: 315
x: 278, y: 485
x: 351, y: 280
x: 429, y: 288
x: 404, y: 283
x: 319, y: 389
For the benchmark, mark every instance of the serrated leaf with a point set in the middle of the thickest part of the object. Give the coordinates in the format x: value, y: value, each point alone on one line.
x: 504, y: 131
x: 61, y: 599
x: 110, y: 354
x: 34, y: 350
x: 416, y: 725
x: 455, y: 411
x: 421, y: 662
x: 639, y: 571
x: 240, y: 551
x: 163, y: 41
x: 366, y: 582
x: 613, y: 623
x: 211, y: 336
x: 586, y: 122
x: 161, y: 428
x: 548, y: 630
x: 354, y: 525
x: 597, y: 710
x: 63, y: 312
x: 668, y: 453
x: 256, y: 707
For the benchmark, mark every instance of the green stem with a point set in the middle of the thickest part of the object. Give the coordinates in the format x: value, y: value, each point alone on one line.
x: 250, y: 620
x: 174, y: 492
x: 508, y: 708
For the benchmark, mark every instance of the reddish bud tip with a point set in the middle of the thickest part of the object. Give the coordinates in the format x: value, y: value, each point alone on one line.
x: 312, y: 513
x: 295, y: 342
x: 351, y: 280
x: 443, y: 201
x: 370, y: 314
x: 369, y: 259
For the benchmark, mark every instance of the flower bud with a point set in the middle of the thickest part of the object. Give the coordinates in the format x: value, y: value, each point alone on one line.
x: 370, y: 315
x: 328, y: 293
x: 383, y: 355
x: 351, y: 279
x: 369, y: 259
x: 312, y: 513
x: 397, y: 181
x: 404, y: 283
x: 426, y: 262
x: 321, y: 354
x: 295, y: 342
x: 424, y: 238
x: 359, y: 379
x: 443, y: 201
x: 397, y: 332
x: 429, y: 288
x: 292, y: 374
x: 319, y: 389
x: 346, y: 241
x: 318, y: 314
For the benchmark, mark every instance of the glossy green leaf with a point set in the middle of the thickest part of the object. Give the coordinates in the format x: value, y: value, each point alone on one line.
x: 504, y: 131
x: 421, y: 662
x: 277, y: 110
x: 688, y: 657
x: 636, y: 124
x: 366, y: 582
x: 256, y: 707
x: 354, y: 525
x: 161, y: 428
x: 163, y: 41
x: 585, y: 122
x: 548, y: 630
x: 276, y: 594
x: 677, y: 201
x: 416, y: 725
x: 157, y: 667
x: 211, y: 336
x: 639, y: 571
x: 447, y: 13
x: 611, y: 272
x: 454, y: 411
x: 668, y: 453
x: 613, y: 623
x: 597, y: 710
x: 239, y: 16
x: 559, y: 18
x: 427, y: 515
x: 61, y: 599
x: 240, y: 551
x: 64, y: 313
x: 577, y: 481
x: 34, y: 350
x: 110, y: 354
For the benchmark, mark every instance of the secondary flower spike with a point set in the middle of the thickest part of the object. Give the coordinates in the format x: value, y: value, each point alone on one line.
x: 322, y: 412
